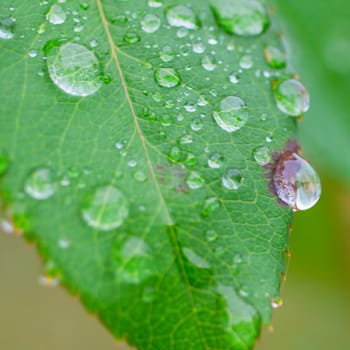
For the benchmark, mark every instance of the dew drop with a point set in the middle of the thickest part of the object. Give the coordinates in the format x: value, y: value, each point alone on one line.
x: 32, y: 53
x: 296, y: 183
x: 186, y: 139
x: 211, y: 235
x: 150, y: 23
x: 140, y: 176
x: 7, y: 28
x: 292, y: 97
x: 182, y: 16
x: 195, y: 259
x: 131, y: 38
x: 209, y: 206
x: 232, y: 179
x: 194, y: 181
x: 167, y: 54
x: 275, y: 57
x: 175, y: 155
x: 208, y: 63
x: 155, y: 3
x: 198, y: 47
x: 243, y: 18
x: 276, y: 303
x: 215, y: 161
x: 262, y: 155
x: 197, y: 125
x: 56, y: 15
x: 231, y: 114
x: 167, y: 77
x: 105, y: 209
x: 63, y: 243
x: 73, y: 68
x: 246, y: 62
x: 40, y: 184
x: 234, y: 79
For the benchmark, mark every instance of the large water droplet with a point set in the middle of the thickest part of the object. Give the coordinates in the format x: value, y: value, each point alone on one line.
x: 56, y: 15
x: 244, y: 18
x: 194, y: 181
x: 296, y: 183
x: 262, y: 155
x: 73, y: 68
x: 231, y: 114
x: 275, y: 57
x: 7, y: 28
x: 182, y: 16
x: 292, y: 97
x: 232, y: 179
x: 105, y: 209
x: 167, y: 77
x: 40, y: 184
x: 150, y: 23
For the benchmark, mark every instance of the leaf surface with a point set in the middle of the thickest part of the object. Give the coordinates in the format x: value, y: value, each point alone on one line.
x: 161, y: 220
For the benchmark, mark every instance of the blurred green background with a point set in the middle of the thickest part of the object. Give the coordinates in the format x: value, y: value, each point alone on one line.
x: 316, y: 311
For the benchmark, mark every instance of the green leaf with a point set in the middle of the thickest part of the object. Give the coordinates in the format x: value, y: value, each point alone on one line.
x: 139, y: 189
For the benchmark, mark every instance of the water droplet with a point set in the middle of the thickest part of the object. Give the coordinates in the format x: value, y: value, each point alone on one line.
x: 211, y: 235
x: 132, y: 163
x: 186, y: 139
x: 56, y: 15
x: 105, y: 209
x: 209, y: 63
x: 40, y: 184
x: 63, y: 243
x: 140, y: 176
x: 48, y: 281
x: 232, y: 180
x: 4, y: 163
x: 234, y: 79
x: 182, y: 16
x: 32, y: 53
x: 84, y: 6
x: 155, y: 3
x: 195, y: 259
x: 149, y: 294
x: 231, y: 114
x: 73, y: 68
x: 7, y: 28
x: 296, y: 183
x: 197, y: 125
x: 6, y: 226
x: 216, y: 160
x: 210, y: 205
x: 150, y: 23
x: 243, y: 18
x: 190, y: 160
x: 291, y: 97
x: 246, y: 62
x: 262, y: 155
x: 93, y: 43
x: 131, y: 38
x: 167, y: 54
x: 167, y: 77
x: 194, y: 181
x: 276, y: 303
x: 175, y: 155
x: 198, y: 47
x: 275, y: 57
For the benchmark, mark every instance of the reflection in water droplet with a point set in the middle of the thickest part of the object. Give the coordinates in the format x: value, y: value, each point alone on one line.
x: 209, y: 63
x: 195, y: 259
x: 167, y: 77
x: 40, y: 184
x: 296, y: 183
x: 150, y: 23
x: 231, y: 114
x: 182, y: 16
x: 275, y: 58
x: 243, y: 18
x: 232, y: 179
x: 7, y: 28
x: 134, y: 261
x: 56, y: 15
x: 262, y: 155
x: 73, y: 68
x: 105, y: 209
x: 216, y: 160
x: 210, y: 205
x: 291, y: 97
x: 194, y: 181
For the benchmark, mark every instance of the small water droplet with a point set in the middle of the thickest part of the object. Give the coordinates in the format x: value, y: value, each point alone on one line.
x: 182, y: 16
x: 197, y: 125
x: 198, y: 47
x: 56, y: 15
x: 167, y: 77
x: 275, y: 57
x: 185, y: 139
x: 296, y: 183
x: 210, y: 205
x: 150, y: 23
x: 40, y: 184
x: 167, y: 54
x: 231, y: 114
x: 132, y: 163
x: 194, y: 181
x: 93, y: 43
x: 215, y: 161
x: 190, y: 106
x: 84, y: 6
x: 292, y: 97
x: 175, y: 155
x: 232, y: 179
x: 276, y: 303
x: 73, y: 68
x: 6, y: 226
x: 209, y: 63
x: 243, y: 18
x: 211, y: 235
x: 7, y: 28
x: 140, y: 176
x: 262, y: 155
x: 32, y: 53
x: 63, y: 243
x: 234, y: 79
x: 155, y: 3
x: 246, y: 62
x: 131, y: 38
x: 105, y: 209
